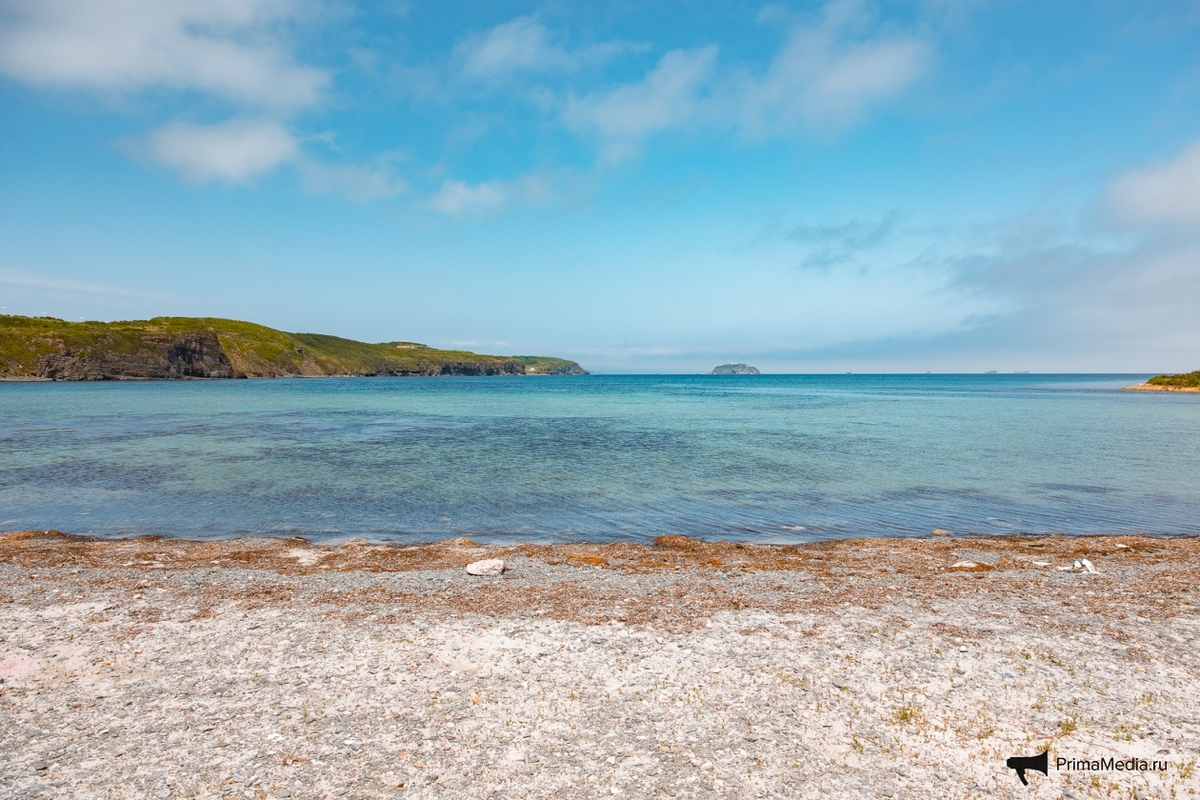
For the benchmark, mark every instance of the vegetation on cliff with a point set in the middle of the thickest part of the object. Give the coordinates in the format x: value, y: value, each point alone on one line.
x: 191, y: 347
x: 545, y: 365
x: 1188, y: 380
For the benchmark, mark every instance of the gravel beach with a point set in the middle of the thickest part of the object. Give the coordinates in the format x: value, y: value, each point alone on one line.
x: 895, y: 668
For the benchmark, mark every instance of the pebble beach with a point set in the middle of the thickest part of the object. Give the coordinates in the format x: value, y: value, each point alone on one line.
x: 893, y: 668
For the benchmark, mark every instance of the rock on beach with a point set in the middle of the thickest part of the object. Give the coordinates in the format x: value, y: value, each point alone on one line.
x: 489, y: 566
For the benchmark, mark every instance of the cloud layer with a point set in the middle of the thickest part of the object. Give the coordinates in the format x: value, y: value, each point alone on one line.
x: 826, y: 74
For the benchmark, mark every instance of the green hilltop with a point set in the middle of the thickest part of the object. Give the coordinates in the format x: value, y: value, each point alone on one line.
x: 1188, y: 380
x: 206, y: 347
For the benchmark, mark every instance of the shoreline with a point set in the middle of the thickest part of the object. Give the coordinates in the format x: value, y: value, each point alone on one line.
x: 1151, y: 387
x: 850, y: 668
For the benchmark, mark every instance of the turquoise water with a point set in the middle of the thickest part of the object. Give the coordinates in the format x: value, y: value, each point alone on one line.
x: 764, y: 458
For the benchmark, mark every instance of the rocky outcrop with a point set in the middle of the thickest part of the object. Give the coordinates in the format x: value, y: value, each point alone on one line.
x: 161, y: 357
x: 735, y: 369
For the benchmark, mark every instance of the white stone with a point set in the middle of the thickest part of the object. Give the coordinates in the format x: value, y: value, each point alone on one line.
x: 489, y: 566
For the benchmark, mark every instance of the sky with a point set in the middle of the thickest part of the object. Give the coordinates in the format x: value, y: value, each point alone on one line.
x: 808, y: 187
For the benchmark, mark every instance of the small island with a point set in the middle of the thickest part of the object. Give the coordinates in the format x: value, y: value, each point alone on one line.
x: 176, y: 348
x: 735, y: 369
x: 1186, y: 382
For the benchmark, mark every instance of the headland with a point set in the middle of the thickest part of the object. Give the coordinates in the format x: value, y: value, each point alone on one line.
x: 174, y: 348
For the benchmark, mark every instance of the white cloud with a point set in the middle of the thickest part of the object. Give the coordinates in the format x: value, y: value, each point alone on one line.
x: 667, y: 97
x: 820, y: 80
x: 373, y: 181
x: 457, y: 198
x: 233, y: 152
x: 1167, y: 193
x: 524, y: 44
x: 229, y: 48
x: 236, y: 151
x: 824, y: 78
x: 520, y: 44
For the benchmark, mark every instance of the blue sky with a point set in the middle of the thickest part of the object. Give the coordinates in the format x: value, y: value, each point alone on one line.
x: 813, y: 187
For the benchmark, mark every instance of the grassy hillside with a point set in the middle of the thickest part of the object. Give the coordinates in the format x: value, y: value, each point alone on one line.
x: 205, y: 347
x: 1188, y: 380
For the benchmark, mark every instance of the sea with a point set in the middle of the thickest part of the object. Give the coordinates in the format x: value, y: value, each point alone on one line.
x: 755, y: 458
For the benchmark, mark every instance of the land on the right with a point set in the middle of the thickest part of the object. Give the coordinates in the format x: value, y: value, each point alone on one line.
x: 1185, y: 382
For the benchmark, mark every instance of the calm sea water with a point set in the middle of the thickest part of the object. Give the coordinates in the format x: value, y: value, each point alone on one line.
x: 765, y: 458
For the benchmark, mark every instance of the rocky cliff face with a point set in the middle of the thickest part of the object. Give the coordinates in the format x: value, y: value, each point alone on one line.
x: 432, y: 368
x: 199, y: 356
x: 161, y: 357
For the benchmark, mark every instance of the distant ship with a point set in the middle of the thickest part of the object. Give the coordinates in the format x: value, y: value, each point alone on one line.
x: 735, y: 369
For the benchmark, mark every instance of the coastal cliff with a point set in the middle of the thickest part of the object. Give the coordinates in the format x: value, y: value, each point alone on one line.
x: 173, y: 348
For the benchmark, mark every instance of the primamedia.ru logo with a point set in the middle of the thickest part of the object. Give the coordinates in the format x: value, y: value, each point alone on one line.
x: 1041, y: 763
x: 1110, y: 764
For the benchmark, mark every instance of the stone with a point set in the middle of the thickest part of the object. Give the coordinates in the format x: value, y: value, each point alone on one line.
x: 490, y: 567
x: 942, y: 532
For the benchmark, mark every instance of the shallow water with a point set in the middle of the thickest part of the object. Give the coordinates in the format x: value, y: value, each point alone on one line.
x: 763, y: 458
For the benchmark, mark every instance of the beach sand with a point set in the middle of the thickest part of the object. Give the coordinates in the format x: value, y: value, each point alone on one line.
x: 860, y: 668
x: 1151, y: 387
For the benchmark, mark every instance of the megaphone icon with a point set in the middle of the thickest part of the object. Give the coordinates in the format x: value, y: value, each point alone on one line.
x: 1022, y: 763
